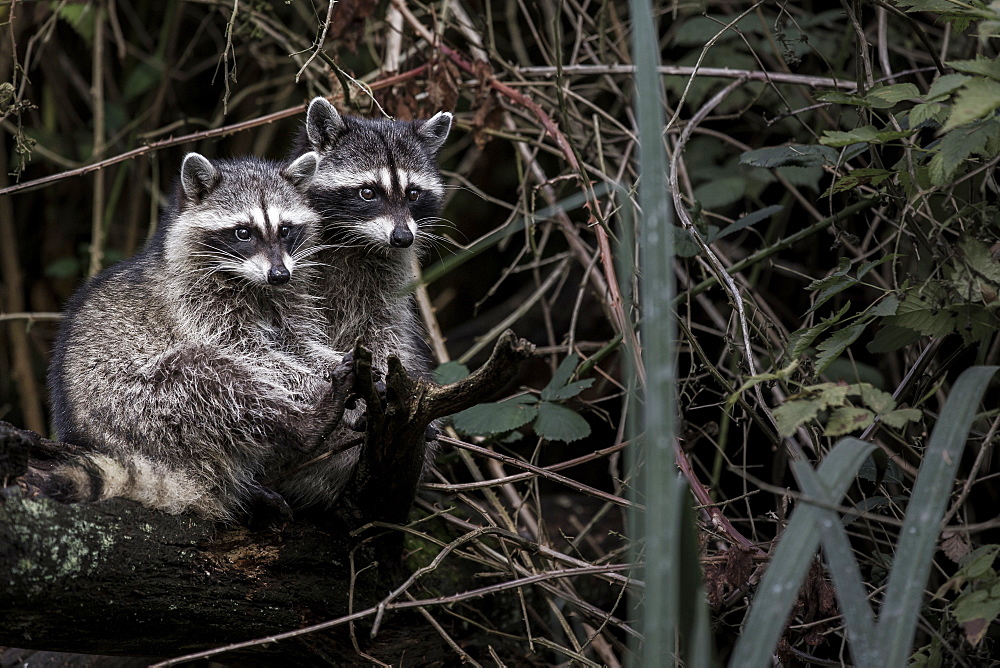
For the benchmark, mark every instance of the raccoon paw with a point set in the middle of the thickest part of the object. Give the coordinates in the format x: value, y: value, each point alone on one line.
x: 431, y: 433
x: 265, y: 509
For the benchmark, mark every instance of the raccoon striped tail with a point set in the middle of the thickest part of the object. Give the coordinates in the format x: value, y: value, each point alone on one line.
x: 95, y: 477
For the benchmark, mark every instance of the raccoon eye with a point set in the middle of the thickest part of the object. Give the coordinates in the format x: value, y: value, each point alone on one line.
x: 367, y: 194
x: 243, y: 233
x: 284, y: 231
x: 413, y: 194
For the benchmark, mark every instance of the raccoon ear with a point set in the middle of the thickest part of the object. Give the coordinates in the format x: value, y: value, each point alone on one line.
x: 199, y: 177
x: 434, y: 131
x: 323, y: 124
x: 301, y: 172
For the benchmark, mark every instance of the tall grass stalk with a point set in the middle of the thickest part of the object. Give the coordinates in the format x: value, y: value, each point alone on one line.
x: 668, y: 549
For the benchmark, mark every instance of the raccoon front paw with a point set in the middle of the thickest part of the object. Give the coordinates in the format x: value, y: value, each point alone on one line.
x: 265, y: 509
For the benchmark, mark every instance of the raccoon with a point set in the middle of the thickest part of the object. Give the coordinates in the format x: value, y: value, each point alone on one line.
x: 378, y: 191
x: 193, y: 370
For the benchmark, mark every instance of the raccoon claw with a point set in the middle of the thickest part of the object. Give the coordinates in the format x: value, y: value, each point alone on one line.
x: 266, y: 509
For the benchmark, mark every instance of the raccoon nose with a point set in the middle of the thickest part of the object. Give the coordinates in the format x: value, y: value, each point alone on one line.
x: 278, y: 276
x: 400, y: 237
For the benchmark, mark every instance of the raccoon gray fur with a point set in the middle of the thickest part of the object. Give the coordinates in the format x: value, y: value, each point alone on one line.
x: 195, y: 369
x: 378, y: 191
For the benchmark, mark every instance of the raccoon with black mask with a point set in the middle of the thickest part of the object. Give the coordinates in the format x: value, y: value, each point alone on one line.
x: 189, y: 371
x: 378, y: 191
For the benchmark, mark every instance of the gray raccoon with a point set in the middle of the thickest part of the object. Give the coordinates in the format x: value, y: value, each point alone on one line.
x: 189, y: 371
x: 378, y: 189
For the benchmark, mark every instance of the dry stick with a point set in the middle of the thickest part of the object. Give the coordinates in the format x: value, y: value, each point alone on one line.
x: 31, y: 317
x: 465, y: 486
x: 402, y: 605
x: 675, y: 70
x: 319, y: 42
x: 610, y: 283
x: 444, y: 634
x: 546, y: 552
x: 193, y: 137
x: 548, y: 475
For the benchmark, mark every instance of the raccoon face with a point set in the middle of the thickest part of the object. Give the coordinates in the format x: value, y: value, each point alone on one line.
x: 246, y: 219
x: 378, y: 182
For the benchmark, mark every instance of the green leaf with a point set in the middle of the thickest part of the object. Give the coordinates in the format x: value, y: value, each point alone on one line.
x: 921, y: 526
x: 450, y: 372
x: 846, y: 419
x: 572, y: 389
x: 800, y: 340
x: 790, y: 415
x: 892, y: 337
x: 868, y: 134
x: 558, y: 423
x: 944, y: 86
x: 796, y: 154
x: 832, y: 347
x: 496, y: 418
x: 746, y: 221
x: 988, y: 67
x: 928, y: 111
x: 561, y: 376
x: 875, y: 399
x: 888, y: 96
x: 958, y: 145
x: 779, y: 588
x: 858, y: 177
x: 975, y: 100
x: 685, y: 244
x: 886, y: 307
x: 898, y: 418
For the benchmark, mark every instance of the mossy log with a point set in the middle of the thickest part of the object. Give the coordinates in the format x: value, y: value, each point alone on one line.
x: 117, y: 578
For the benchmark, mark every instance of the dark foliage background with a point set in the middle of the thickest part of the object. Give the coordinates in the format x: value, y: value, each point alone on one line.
x: 868, y: 256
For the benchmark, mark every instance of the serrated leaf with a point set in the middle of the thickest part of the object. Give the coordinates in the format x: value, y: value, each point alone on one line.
x: 562, y: 375
x: 928, y: 112
x: 867, y: 134
x: 892, y: 337
x: 450, y: 372
x: 495, y: 418
x: 988, y: 67
x: 944, y: 85
x: 558, y: 423
x: 928, y: 321
x: 886, y: 307
x: 976, y: 610
x: 685, y: 245
x: 958, y: 145
x: 975, y: 100
x: 898, y: 418
x: 831, y: 348
x: 857, y: 177
x: 573, y: 389
x: 876, y: 399
x: 796, y: 154
x: 846, y: 419
x: 800, y: 340
x: 790, y: 415
x: 888, y: 96
x: 746, y: 221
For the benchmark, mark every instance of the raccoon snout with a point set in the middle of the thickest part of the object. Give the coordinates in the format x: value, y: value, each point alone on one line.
x: 278, y: 275
x: 400, y: 238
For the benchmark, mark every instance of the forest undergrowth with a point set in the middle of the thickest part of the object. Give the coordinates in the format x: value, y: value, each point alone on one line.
x: 832, y: 170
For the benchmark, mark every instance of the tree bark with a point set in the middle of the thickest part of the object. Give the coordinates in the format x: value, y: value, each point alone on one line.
x: 117, y: 578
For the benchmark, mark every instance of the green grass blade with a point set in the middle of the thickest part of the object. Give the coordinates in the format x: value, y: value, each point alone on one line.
x: 780, y: 586
x: 662, y: 523
x: 843, y: 567
x: 921, y: 527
